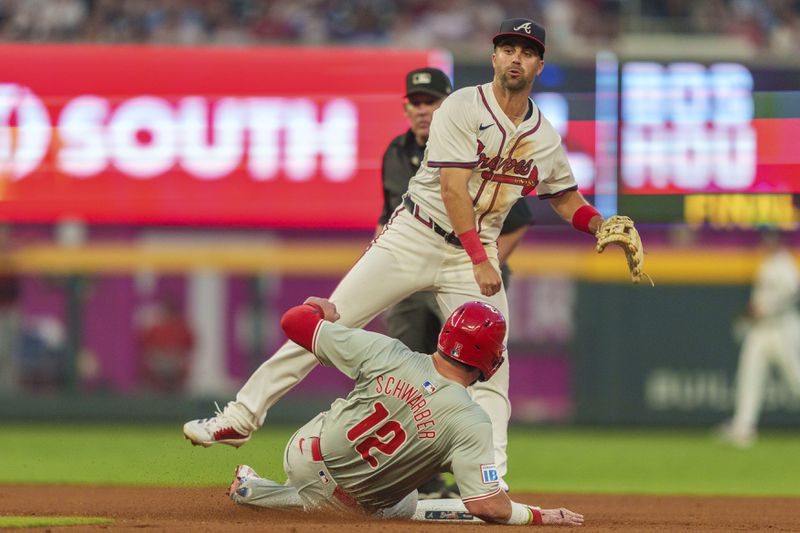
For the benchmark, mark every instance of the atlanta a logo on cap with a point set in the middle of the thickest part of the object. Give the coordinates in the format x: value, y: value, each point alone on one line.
x: 526, y: 27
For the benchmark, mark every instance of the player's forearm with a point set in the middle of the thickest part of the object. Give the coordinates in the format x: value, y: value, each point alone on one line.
x: 458, y: 205
x: 457, y: 201
x: 573, y: 208
x: 501, y: 510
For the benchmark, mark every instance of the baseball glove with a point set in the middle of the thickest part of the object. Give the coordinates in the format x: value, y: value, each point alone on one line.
x: 620, y: 230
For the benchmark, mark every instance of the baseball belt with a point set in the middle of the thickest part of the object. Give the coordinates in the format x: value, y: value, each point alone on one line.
x: 316, y: 451
x: 344, y: 497
x: 448, y: 236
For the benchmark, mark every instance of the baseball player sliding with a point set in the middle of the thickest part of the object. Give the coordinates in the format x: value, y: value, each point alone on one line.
x: 488, y: 146
x: 408, y: 417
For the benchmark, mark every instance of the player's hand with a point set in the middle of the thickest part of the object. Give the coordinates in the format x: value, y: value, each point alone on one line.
x: 329, y: 312
x: 487, y: 277
x: 561, y: 517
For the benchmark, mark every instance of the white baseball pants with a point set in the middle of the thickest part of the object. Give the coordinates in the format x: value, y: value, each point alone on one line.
x: 309, y: 485
x: 774, y: 342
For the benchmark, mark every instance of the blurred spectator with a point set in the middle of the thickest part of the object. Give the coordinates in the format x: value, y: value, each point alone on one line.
x: 576, y: 26
x: 751, y: 20
x: 410, y: 23
x: 785, y: 37
x: 710, y: 16
x: 358, y: 21
x: 275, y: 22
x: 44, y: 20
x: 175, y: 23
x: 771, y: 336
x: 42, y: 353
x: 9, y: 316
x: 165, y: 346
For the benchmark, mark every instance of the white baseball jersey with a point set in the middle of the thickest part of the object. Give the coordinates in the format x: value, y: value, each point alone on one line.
x: 776, y: 286
x: 470, y: 130
x: 401, y: 424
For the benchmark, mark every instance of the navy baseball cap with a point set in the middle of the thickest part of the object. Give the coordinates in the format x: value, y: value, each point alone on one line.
x: 529, y: 29
x: 429, y: 81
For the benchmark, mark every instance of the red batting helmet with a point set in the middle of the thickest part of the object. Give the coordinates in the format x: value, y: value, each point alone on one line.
x: 474, y: 335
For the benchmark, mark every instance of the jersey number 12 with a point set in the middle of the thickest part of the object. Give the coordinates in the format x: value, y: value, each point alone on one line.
x: 388, y: 447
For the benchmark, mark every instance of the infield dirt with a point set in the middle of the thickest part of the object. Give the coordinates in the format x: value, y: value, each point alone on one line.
x: 208, y: 509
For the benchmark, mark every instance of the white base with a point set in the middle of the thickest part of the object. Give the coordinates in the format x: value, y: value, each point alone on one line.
x: 443, y: 510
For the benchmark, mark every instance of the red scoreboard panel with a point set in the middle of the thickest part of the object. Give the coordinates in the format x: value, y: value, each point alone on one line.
x: 283, y: 137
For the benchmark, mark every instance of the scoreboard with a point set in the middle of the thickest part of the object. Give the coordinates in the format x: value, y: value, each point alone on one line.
x: 687, y: 127
x: 707, y: 144
x: 677, y: 142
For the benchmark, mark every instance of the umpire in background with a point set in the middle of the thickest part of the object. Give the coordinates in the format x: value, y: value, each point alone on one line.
x: 417, y: 320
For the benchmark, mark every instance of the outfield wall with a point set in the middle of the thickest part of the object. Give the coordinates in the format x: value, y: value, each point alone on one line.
x: 586, y: 346
x: 665, y: 356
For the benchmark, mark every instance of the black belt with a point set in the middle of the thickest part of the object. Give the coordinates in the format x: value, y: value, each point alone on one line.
x: 449, y: 236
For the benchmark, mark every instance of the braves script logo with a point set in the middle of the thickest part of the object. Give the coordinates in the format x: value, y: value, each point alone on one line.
x: 526, y: 27
x: 508, y: 170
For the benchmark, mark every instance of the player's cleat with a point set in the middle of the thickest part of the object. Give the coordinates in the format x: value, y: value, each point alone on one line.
x: 236, y: 491
x: 735, y: 437
x: 438, y: 488
x: 219, y: 429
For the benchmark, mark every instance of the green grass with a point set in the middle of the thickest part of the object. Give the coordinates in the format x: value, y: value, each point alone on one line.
x: 50, y: 521
x: 652, y: 462
x: 128, y: 455
x: 541, y: 460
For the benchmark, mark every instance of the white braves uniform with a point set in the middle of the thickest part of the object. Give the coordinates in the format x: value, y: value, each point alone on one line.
x: 402, y: 423
x: 773, y: 338
x: 469, y: 130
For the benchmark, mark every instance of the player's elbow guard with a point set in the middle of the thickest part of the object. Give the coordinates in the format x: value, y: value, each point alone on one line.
x: 300, y: 322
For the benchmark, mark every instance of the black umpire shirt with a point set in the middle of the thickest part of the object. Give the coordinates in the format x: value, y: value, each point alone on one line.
x: 401, y: 161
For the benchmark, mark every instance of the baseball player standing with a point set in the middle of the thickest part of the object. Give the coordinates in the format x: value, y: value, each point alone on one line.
x: 416, y: 321
x: 408, y: 417
x: 772, y: 337
x: 488, y: 146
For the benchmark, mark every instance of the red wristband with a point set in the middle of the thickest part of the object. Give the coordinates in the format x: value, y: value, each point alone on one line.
x: 581, y: 218
x: 537, y: 516
x: 473, y: 246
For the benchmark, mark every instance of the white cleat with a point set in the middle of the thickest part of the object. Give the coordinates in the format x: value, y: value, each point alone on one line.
x: 736, y: 437
x: 219, y: 429
x: 236, y: 491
